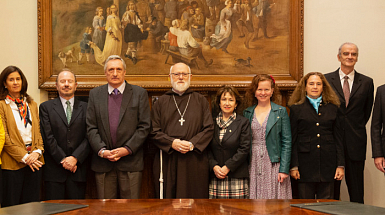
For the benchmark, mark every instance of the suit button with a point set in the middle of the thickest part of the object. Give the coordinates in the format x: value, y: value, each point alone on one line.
x: 318, y: 135
x: 318, y: 146
x: 317, y: 124
x: 68, y: 141
x: 319, y: 114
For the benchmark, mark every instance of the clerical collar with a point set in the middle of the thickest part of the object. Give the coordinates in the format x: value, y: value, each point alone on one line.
x: 315, y: 102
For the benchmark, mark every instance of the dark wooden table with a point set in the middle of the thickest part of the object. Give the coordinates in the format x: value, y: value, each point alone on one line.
x: 189, y: 206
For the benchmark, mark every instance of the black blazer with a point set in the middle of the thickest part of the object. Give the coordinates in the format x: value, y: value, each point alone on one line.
x: 62, y: 140
x: 317, y: 148
x: 133, y: 128
x: 353, y: 118
x: 378, y: 120
x: 234, y: 148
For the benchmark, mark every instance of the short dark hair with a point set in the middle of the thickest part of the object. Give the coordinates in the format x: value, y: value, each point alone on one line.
x: 3, y: 78
x: 233, y: 92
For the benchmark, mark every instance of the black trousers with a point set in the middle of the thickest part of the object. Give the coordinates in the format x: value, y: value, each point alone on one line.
x: 21, y: 186
x: 316, y: 190
x: 64, y: 190
x: 354, y: 177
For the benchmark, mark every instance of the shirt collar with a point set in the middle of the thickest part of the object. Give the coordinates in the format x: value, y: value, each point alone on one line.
x: 63, y: 101
x: 342, y: 74
x: 120, y: 88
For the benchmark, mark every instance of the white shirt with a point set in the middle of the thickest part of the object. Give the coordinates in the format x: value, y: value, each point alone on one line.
x: 63, y: 102
x: 184, y: 38
x: 120, y: 88
x: 350, y: 79
x: 25, y: 132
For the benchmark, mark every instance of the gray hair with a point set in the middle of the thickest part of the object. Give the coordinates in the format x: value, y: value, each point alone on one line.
x: 114, y: 57
x: 189, y: 70
x: 346, y: 43
x: 66, y: 70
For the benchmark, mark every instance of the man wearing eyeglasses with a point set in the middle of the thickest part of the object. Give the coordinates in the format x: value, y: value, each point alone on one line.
x: 118, y: 122
x: 182, y: 128
x: 355, y: 92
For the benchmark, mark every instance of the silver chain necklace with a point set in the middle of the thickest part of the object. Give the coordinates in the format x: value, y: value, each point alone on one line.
x: 181, y: 115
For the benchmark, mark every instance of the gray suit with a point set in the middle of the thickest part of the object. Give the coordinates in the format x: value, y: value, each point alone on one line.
x: 133, y: 128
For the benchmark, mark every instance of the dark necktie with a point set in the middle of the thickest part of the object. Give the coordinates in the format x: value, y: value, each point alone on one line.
x: 68, y: 112
x: 346, y: 90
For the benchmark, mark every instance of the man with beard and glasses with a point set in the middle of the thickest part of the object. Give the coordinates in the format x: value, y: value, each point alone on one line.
x: 182, y: 128
x: 64, y: 131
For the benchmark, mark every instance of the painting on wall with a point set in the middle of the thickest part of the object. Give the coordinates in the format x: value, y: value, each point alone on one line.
x: 223, y: 41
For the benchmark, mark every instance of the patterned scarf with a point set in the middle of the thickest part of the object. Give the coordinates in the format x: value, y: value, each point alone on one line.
x: 23, y: 109
x: 223, y: 125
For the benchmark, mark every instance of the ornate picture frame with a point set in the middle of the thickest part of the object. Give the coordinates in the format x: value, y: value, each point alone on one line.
x: 205, y: 80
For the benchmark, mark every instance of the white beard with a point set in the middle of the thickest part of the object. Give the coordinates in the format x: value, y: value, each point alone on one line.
x: 179, y: 87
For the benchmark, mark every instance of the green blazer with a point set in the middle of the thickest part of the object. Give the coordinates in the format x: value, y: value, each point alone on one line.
x: 278, y: 135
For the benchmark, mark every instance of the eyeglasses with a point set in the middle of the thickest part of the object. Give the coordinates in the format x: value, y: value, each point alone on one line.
x: 177, y: 75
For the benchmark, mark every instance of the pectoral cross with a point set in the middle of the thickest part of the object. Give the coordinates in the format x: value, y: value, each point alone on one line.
x: 181, y: 121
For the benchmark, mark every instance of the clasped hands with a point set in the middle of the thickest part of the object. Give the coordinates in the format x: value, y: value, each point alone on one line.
x: 221, y: 172
x: 115, y: 154
x: 181, y: 146
x: 339, y: 175
x: 69, y: 163
x: 33, y: 162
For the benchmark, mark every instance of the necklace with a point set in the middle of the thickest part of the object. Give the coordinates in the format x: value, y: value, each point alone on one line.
x: 181, y: 115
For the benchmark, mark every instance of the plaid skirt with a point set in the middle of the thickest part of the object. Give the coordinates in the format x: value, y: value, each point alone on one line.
x: 229, y: 188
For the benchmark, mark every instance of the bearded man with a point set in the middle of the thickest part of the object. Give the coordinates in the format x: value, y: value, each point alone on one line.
x: 182, y: 128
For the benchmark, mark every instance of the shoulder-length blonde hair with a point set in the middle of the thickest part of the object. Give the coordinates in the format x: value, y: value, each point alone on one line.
x: 250, y: 92
x: 299, y: 94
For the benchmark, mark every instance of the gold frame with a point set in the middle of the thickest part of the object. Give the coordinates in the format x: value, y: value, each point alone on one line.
x: 157, y: 83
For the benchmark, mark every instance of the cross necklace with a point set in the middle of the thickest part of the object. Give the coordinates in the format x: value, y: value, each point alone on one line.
x: 181, y: 115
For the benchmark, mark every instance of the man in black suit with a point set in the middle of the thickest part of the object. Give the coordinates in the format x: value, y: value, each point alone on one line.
x: 63, y: 128
x: 118, y: 122
x: 377, y: 134
x: 355, y: 92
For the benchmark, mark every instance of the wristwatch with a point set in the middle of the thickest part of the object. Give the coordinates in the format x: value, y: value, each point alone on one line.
x: 191, y: 146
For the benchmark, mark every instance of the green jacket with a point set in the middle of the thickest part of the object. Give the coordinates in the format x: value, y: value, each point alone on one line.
x: 278, y: 135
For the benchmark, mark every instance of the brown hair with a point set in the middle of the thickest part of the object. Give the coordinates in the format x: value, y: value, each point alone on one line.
x: 328, y: 94
x: 233, y: 92
x: 250, y: 92
x: 3, y: 78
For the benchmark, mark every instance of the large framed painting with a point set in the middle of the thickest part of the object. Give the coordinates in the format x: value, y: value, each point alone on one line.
x: 223, y: 41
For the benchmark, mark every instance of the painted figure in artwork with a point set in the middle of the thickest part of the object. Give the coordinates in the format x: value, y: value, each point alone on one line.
x: 99, y: 25
x: 113, y: 43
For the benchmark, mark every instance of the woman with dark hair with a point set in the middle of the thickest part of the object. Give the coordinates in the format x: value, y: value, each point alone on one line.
x: 271, y: 141
x: 229, y: 148
x: 317, y: 156
x: 23, y: 148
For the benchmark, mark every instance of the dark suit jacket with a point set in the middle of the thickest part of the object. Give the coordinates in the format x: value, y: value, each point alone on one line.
x: 317, y: 144
x: 62, y: 140
x: 353, y: 118
x: 133, y: 128
x: 378, y: 120
x: 234, y: 148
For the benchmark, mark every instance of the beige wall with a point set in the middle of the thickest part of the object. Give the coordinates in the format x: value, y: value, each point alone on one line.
x: 328, y: 23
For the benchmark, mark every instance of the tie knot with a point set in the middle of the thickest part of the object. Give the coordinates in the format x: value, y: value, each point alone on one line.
x: 346, y: 77
x: 116, y: 91
x: 68, y: 102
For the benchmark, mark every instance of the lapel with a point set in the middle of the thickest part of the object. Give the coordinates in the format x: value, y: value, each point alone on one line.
x: 336, y: 82
x: 58, y: 108
x: 273, y: 118
x: 231, y: 129
x: 76, y: 110
x: 127, y: 95
x: 356, y: 83
x: 103, y: 103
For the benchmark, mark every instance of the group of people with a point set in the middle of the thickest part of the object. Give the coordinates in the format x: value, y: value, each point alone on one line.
x: 226, y: 152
